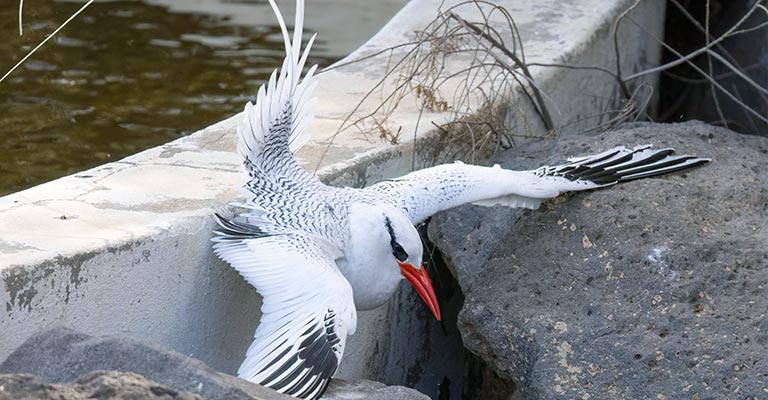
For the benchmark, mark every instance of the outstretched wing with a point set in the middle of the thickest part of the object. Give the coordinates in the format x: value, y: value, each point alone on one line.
x: 281, y: 195
x: 307, y: 311
x: 272, y: 129
x: 426, y: 192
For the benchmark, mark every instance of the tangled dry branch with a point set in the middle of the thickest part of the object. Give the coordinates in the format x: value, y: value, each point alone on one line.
x: 472, y: 93
x: 494, y: 70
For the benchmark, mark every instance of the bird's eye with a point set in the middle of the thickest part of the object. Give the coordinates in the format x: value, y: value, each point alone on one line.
x: 399, y: 252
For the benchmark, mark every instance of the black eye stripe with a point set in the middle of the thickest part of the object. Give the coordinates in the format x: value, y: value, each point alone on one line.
x: 397, y: 249
x: 391, y: 231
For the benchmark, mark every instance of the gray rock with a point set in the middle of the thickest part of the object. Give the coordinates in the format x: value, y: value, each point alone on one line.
x: 62, y: 355
x: 370, y: 390
x: 111, y: 385
x: 653, y: 289
x: 48, y: 361
x: 25, y: 386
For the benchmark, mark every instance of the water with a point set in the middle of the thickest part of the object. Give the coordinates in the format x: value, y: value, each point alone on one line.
x: 129, y: 75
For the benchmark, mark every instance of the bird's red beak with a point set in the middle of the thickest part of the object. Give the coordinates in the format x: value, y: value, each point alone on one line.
x: 420, y: 281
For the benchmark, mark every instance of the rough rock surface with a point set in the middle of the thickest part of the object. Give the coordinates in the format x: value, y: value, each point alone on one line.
x: 115, y: 385
x: 653, y: 289
x: 62, y: 355
x: 370, y: 390
x: 111, y: 385
x: 61, y: 361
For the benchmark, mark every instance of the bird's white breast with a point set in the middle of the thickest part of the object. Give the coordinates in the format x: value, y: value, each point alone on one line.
x: 372, y: 283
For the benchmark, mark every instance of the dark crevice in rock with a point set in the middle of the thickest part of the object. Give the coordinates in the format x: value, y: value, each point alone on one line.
x: 484, y: 383
x: 686, y: 95
x: 447, y: 369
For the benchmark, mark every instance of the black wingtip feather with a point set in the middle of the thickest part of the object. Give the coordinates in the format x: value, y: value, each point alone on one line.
x: 231, y: 229
x: 317, y: 362
x: 695, y: 162
x: 618, y: 166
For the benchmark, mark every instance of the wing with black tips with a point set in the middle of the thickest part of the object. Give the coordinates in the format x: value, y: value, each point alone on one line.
x: 423, y: 193
x: 307, y: 311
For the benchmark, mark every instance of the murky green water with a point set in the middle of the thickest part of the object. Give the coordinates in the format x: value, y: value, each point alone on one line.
x: 129, y: 75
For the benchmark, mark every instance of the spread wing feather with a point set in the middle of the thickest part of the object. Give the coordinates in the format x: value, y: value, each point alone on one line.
x: 307, y: 309
x: 426, y: 192
x: 273, y: 129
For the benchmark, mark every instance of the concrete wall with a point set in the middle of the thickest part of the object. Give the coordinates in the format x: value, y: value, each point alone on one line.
x: 123, y: 249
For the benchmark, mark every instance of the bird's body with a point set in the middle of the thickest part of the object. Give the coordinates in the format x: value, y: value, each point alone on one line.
x: 317, y: 253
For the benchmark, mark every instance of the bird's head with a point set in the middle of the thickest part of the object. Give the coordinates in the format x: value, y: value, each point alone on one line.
x: 391, y: 239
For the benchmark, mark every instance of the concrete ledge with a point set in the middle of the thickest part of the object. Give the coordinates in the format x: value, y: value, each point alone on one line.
x: 123, y: 249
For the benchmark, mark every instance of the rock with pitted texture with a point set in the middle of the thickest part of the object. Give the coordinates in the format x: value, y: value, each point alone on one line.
x: 652, y: 289
x: 62, y: 355
x: 369, y: 390
x: 100, y: 385
x: 64, y: 364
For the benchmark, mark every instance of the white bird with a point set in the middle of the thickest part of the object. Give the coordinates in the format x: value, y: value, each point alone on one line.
x: 317, y: 253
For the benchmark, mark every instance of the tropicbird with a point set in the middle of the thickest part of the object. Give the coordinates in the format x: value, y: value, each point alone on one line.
x: 317, y: 253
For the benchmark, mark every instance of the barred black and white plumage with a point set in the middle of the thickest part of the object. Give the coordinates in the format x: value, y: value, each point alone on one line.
x: 317, y: 253
x: 622, y: 165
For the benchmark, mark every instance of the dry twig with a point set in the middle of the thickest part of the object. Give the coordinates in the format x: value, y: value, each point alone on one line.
x: 47, y: 38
